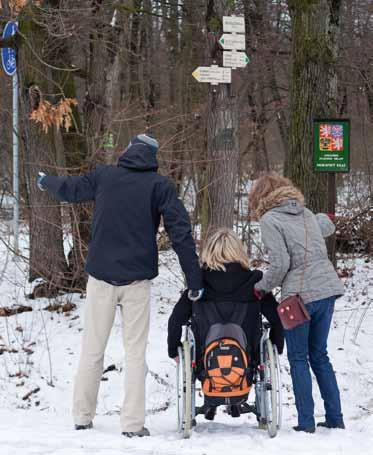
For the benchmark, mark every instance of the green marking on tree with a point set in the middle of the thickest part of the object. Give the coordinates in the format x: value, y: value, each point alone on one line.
x: 109, y: 141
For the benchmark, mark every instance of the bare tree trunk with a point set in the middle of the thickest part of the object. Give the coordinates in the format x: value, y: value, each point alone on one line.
x: 258, y: 124
x: 75, y: 155
x: 6, y: 8
x: 147, y: 57
x: 134, y: 59
x: 222, y: 132
x: 100, y: 77
x: 313, y: 91
x: 222, y: 126
x: 282, y: 117
x: 47, y: 259
x: 256, y: 76
x: 263, y: 89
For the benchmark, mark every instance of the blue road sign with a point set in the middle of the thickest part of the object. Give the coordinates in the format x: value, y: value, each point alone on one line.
x: 8, y: 55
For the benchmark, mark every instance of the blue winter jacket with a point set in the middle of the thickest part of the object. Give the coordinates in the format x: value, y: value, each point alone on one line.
x: 130, y: 200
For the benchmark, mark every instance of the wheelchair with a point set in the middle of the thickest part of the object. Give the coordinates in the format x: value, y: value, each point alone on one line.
x: 267, y: 405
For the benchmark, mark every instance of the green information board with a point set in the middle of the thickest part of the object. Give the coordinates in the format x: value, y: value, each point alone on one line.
x: 331, y: 145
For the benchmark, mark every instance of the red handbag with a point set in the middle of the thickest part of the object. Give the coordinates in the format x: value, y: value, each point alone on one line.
x: 292, y: 311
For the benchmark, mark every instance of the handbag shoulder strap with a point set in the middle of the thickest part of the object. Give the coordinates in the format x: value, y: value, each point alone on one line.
x: 305, y: 255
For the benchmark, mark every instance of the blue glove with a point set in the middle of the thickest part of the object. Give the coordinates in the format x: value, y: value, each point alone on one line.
x: 195, y: 294
x: 39, y: 181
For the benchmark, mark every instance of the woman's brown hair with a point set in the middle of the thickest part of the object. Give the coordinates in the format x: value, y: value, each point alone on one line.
x: 269, y: 191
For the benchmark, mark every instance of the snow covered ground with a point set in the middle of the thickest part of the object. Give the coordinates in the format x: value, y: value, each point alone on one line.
x: 45, y: 349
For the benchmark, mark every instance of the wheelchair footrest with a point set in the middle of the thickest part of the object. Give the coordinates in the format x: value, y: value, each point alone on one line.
x: 247, y: 408
x: 208, y: 412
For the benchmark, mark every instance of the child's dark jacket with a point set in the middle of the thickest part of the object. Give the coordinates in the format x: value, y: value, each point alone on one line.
x: 228, y: 291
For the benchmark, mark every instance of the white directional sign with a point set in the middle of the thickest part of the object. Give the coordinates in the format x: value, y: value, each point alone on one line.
x: 234, y: 41
x: 213, y: 74
x: 234, y: 59
x: 233, y: 24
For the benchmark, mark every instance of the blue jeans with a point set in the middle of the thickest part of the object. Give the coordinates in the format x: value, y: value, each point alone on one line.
x: 307, y: 346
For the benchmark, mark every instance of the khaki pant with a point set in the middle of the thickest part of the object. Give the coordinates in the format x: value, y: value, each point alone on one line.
x: 101, y: 302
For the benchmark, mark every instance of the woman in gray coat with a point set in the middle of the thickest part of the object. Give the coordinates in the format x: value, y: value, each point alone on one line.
x: 298, y: 262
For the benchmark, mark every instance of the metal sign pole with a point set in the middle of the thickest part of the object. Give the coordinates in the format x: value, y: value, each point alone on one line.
x: 9, y: 63
x: 15, y: 164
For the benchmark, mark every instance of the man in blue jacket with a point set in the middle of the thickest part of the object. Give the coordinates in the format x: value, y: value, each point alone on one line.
x: 130, y: 200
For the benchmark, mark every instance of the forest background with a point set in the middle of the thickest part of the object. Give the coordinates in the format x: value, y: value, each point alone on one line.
x: 92, y: 74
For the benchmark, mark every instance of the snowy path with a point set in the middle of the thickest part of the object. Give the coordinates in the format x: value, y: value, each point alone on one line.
x: 30, y: 432
x: 44, y: 425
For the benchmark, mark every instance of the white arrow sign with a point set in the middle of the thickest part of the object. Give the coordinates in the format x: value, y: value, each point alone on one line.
x: 234, y: 59
x: 213, y: 74
x: 234, y: 42
x: 233, y: 24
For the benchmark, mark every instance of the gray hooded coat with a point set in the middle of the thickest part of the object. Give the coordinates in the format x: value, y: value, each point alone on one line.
x: 284, y: 230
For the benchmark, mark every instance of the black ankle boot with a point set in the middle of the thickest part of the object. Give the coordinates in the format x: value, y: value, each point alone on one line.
x: 234, y: 410
x: 305, y: 430
x: 210, y: 412
x: 326, y: 424
x: 87, y: 426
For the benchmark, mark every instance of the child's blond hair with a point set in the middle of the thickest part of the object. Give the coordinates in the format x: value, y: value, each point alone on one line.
x: 222, y: 247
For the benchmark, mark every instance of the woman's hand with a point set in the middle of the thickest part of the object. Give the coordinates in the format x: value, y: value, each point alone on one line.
x: 177, y: 360
x: 258, y: 294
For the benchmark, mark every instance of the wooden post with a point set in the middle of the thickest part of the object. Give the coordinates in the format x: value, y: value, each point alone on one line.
x: 332, y: 199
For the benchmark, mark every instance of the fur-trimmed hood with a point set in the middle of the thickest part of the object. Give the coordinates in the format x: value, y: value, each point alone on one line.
x: 281, y: 197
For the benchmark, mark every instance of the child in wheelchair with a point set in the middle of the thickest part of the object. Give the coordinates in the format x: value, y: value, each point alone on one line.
x: 226, y: 323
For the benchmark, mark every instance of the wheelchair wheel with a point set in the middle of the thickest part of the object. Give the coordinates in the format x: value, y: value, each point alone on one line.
x: 278, y: 388
x: 184, y: 390
x: 271, y: 389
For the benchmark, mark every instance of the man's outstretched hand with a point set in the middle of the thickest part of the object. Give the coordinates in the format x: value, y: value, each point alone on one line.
x: 39, y: 181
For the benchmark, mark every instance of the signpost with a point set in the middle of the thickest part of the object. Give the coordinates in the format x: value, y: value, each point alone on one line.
x: 213, y: 74
x: 233, y: 59
x: 8, y: 55
x: 232, y: 41
x: 8, y: 59
x: 234, y: 24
